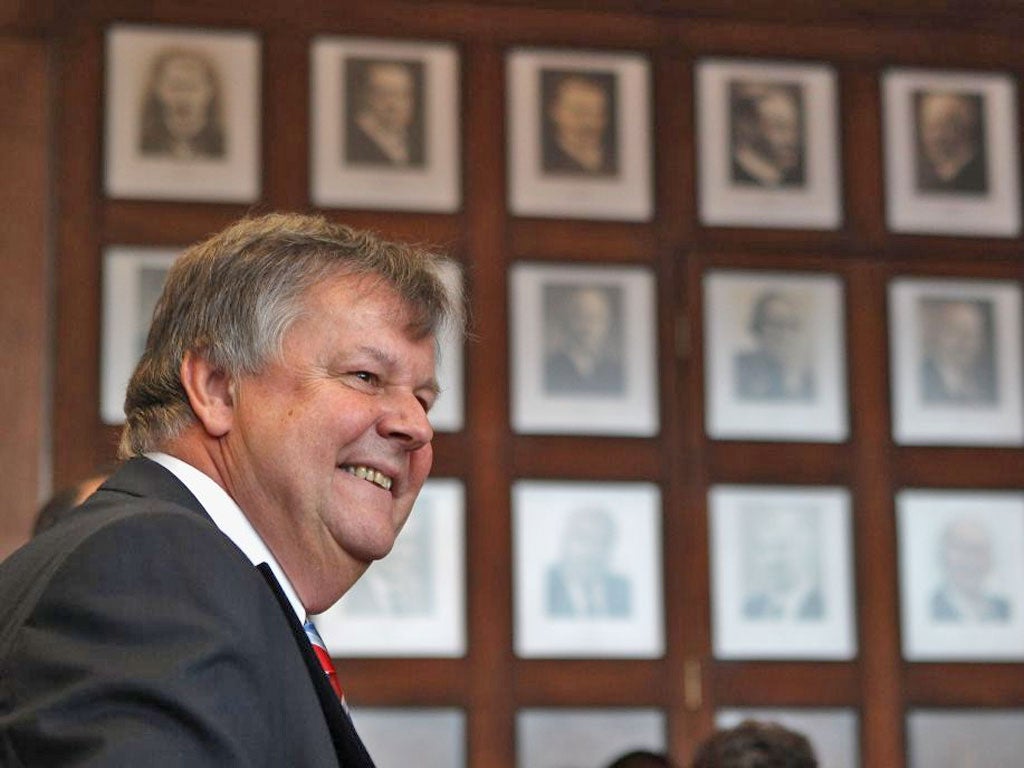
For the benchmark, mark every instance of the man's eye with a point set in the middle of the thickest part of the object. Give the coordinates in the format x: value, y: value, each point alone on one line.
x: 369, y: 378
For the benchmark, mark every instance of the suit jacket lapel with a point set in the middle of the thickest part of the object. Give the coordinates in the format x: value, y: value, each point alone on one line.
x: 347, y: 743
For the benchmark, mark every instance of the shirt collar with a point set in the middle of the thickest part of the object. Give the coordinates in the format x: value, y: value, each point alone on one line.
x: 230, y: 519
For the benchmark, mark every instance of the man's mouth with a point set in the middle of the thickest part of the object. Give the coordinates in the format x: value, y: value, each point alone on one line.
x: 369, y: 473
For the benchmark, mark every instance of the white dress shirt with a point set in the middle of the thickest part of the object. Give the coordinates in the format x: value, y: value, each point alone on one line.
x: 233, y: 523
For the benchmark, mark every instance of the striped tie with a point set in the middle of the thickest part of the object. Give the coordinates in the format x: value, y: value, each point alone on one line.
x: 324, y: 658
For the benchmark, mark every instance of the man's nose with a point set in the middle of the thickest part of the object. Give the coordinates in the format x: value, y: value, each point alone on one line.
x: 406, y: 422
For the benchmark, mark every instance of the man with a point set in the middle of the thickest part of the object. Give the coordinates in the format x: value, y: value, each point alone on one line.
x: 965, y: 560
x: 577, y: 133
x: 582, y: 583
x: 782, y: 565
x: 951, y: 149
x: 767, y: 135
x: 181, y: 114
x: 64, y: 502
x: 957, y: 367
x: 276, y: 437
x: 381, y: 130
x: 777, y: 369
x: 753, y: 744
x: 584, y: 360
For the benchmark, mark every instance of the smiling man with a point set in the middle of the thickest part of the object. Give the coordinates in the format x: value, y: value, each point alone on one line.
x: 276, y: 438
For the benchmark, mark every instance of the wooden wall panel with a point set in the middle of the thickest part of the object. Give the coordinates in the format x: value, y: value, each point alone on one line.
x: 687, y: 684
x: 24, y: 265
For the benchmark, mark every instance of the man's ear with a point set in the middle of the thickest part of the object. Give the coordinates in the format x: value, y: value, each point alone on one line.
x: 211, y: 393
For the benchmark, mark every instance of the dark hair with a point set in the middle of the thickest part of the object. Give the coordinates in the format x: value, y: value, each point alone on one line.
x: 753, y: 744
x: 641, y: 758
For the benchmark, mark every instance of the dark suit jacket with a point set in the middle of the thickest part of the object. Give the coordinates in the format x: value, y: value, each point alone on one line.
x: 136, y: 634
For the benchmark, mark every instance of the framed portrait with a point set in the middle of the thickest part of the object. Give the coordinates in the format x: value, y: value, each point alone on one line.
x: 583, y: 350
x: 951, y: 153
x: 781, y: 573
x: 182, y: 114
x: 833, y: 733
x: 133, y: 278
x: 411, y: 603
x: 385, y: 118
x: 448, y: 413
x: 579, y: 135
x: 774, y: 356
x: 557, y: 737
x: 768, y: 144
x: 956, y: 738
x: 961, y: 575
x: 432, y: 737
x: 955, y: 350
x: 587, y: 569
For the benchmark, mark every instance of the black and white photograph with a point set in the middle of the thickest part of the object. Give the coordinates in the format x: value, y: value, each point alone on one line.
x: 781, y: 572
x: 581, y: 738
x: 399, y: 737
x: 961, y: 575
x: 774, y: 349
x: 412, y: 603
x: 583, y: 350
x: 133, y: 278
x: 768, y: 138
x: 385, y: 117
x: 182, y: 114
x: 951, y: 153
x: 578, y: 129
x: 964, y: 738
x: 833, y: 733
x: 384, y: 113
x: 579, y: 135
x: 955, y: 361
x: 587, y: 573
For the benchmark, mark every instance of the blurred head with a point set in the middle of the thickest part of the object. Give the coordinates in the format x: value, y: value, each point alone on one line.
x: 958, y: 334
x: 642, y: 758
x: 588, y: 320
x: 64, y: 502
x: 579, y: 111
x: 966, y: 555
x: 777, y: 323
x: 588, y: 541
x: 389, y: 94
x: 753, y: 744
x: 948, y: 124
x: 185, y: 86
x: 768, y: 118
x: 781, y: 550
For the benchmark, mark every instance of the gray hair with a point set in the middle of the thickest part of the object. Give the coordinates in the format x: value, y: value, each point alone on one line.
x: 233, y: 297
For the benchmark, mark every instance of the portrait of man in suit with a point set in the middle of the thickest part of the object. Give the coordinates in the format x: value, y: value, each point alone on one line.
x: 582, y: 583
x: 967, y: 568
x: 384, y: 123
x: 402, y: 584
x: 578, y: 131
x: 767, y: 134
x: 583, y: 326
x: 276, y: 437
x: 950, y: 140
x: 958, y: 361
x: 781, y: 564
x: 182, y: 107
x: 778, y: 367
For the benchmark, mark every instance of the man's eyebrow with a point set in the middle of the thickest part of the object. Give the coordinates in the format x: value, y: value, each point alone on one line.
x: 389, y: 361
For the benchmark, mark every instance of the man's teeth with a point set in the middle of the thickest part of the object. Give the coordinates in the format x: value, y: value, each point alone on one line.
x: 368, y: 473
